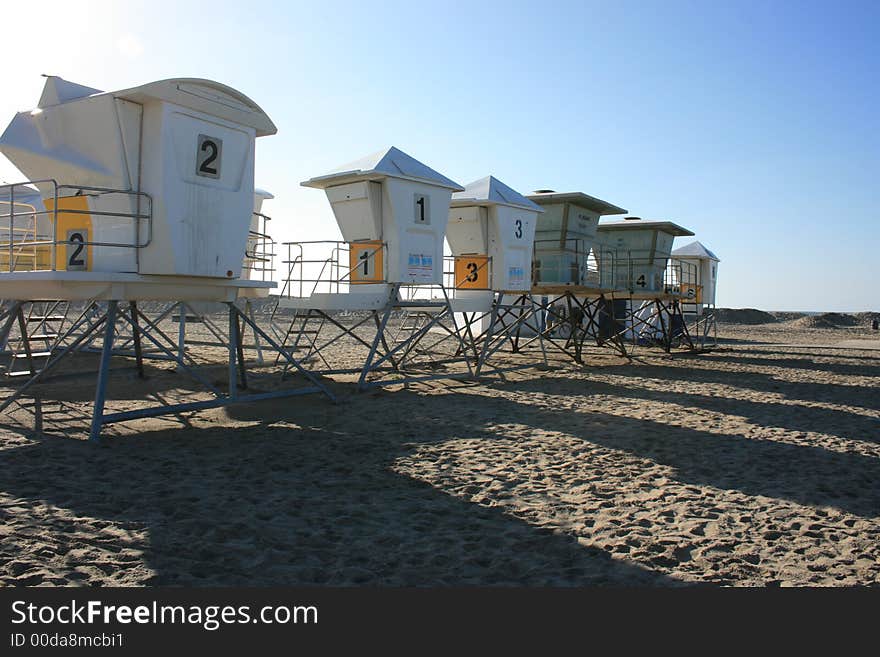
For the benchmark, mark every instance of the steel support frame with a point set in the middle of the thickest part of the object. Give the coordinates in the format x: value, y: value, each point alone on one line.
x: 83, y: 331
x: 384, y: 354
x: 656, y: 317
x: 505, y: 322
x: 582, y: 317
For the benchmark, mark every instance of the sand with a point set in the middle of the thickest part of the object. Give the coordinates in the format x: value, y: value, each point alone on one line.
x: 753, y: 465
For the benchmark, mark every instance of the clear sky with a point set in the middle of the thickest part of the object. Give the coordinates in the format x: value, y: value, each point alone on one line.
x: 755, y: 124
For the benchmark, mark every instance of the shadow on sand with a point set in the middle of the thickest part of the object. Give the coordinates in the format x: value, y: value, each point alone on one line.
x: 804, y: 474
x: 302, y: 492
x: 318, y: 503
x: 796, y: 390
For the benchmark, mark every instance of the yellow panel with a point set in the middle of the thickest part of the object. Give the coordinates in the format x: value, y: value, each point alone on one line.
x: 365, y: 263
x: 692, y: 292
x: 472, y: 272
x: 75, y: 225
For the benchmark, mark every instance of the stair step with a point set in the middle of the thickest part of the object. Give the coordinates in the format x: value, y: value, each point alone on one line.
x: 20, y: 373
x: 34, y: 354
x: 43, y: 336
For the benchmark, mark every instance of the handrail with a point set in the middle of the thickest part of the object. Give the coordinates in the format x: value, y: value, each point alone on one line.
x: 578, y: 261
x: 50, y: 190
x: 330, y: 259
x: 260, y: 249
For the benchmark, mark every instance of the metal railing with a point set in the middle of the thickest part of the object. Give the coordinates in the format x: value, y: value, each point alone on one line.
x: 681, y: 278
x: 259, y: 254
x: 14, y: 244
x: 45, y: 239
x: 327, y: 266
x: 640, y: 271
x: 574, y: 262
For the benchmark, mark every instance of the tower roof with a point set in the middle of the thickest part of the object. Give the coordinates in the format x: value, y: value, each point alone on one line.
x: 600, y: 207
x: 389, y: 163
x: 491, y: 191
x: 640, y: 224
x: 202, y: 95
x: 695, y: 250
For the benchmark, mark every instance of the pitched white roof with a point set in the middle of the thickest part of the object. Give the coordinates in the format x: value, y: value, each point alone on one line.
x: 695, y: 250
x: 389, y: 163
x: 491, y: 191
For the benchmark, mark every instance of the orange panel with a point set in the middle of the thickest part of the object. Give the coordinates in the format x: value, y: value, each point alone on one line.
x: 365, y: 263
x: 472, y: 272
x: 693, y: 293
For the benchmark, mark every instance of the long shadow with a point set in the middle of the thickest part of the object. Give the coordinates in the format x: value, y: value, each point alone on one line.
x: 734, y: 341
x: 796, y: 390
x: 298, y: 494
x: 808, y: 475
x: 841, y: 424
x: 810, y: 352
x: 804, y: 363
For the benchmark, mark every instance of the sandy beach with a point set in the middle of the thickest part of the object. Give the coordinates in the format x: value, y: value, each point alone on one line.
x: 752, y: 465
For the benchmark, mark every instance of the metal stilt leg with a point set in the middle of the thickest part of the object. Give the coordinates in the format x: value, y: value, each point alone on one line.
x: 104, y: 372
x: 136, y: 335
x: 233, y: 351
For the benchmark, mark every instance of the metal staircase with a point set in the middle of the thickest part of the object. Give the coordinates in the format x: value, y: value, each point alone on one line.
x: 37, y: 338
x: 302, y: 335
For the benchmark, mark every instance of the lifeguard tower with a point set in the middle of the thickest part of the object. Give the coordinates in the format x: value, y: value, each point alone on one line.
x: 698, y: 299
x: 491, y: 234
x: 647, y: 285
x: 570, y: 287
x: 566, y: 242
x: 146, y: 194
x: 392, y: 211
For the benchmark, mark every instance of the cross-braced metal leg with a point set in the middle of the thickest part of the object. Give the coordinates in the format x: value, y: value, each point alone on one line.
x: 505, y: 324
x: 84, y: 330
x: 568, y: 323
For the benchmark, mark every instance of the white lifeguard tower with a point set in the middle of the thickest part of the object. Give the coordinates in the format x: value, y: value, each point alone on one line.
x: 566, y: 243
x: 568, y: 283
x: 698, y: 299
x: 147, y: 194
x: 647, y: 285
x: 392, y: 211
x: 491, y: 235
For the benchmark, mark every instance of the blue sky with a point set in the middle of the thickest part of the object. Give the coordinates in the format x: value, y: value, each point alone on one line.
x: 755, y: 124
